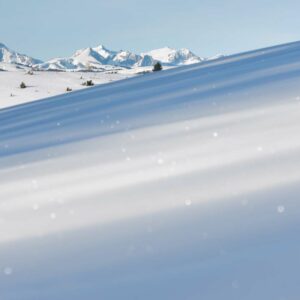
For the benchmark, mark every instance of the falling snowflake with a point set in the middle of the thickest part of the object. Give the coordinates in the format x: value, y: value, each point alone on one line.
x: 8, y: 271
x: 188, y: 202
x: 35, y: 207
x: 280, y: 209
x: 53, y: 216
x: 160, y: 161
x: 34, y: 184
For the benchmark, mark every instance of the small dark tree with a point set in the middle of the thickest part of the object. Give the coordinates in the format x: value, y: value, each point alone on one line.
x: 23, y: 85
x: 88, y: 83
x: 157, y: 67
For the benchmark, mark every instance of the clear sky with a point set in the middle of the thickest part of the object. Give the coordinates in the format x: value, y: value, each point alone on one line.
x: 51, y: 28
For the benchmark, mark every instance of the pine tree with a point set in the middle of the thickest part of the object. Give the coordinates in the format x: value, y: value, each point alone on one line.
x: 23, y: 85
x: 157, y: 67
x: 88, y: 83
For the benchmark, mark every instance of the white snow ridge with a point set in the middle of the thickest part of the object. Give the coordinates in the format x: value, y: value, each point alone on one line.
x: 180, y: 184
x: 12, y: 57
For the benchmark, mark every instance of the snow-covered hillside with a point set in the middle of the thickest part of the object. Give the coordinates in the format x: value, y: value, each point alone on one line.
x: 182, y: 184
x: 46, y: 84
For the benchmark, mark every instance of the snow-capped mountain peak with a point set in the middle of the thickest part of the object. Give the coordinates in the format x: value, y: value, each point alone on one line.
x: 93, y: 57
x: 12, y: 57
x: 126, y: 59
x: 104, y: 52
x: 173, y: 57
x: 87, y: 55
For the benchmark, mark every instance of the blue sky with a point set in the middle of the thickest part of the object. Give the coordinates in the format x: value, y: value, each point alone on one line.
x: 50, y: 28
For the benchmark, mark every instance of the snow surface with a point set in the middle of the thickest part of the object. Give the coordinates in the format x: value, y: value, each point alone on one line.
x: 181, y: 184
x: 45, y: 84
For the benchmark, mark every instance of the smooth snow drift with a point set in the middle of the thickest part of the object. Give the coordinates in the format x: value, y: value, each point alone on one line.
x: 182, y: 184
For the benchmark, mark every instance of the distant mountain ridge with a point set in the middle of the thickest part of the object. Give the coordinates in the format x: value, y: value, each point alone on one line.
x: 170, y: 56
x: 100, y: 58
x: 12, y: 57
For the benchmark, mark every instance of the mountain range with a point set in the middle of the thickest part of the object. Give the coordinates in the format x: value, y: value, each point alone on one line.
x: 10, y: 56
x: 100, y: 58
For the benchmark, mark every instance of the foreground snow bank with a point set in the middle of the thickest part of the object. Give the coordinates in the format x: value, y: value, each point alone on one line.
x: 182, y: 184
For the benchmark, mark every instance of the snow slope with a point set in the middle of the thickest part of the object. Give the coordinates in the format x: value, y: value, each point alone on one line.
x: 45, y: 84
x: 182, y: 184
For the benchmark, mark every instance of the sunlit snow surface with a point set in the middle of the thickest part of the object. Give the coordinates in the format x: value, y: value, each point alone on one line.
x: 181, y: 184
